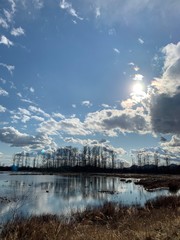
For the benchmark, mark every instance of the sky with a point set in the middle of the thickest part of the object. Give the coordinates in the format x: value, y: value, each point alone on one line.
x: 90, y: 72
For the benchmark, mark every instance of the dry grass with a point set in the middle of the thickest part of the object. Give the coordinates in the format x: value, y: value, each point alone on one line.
x: 159, y: 219
x: 170, y: 202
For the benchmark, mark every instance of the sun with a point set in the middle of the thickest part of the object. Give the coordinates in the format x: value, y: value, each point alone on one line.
x: 138, y: 88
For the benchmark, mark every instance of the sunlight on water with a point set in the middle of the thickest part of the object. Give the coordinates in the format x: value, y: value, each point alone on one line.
x: 57, y: 194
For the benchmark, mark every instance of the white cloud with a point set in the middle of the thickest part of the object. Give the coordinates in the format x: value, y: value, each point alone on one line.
x: 22, y: 114
x: 8, y: 15
x: 12, y: 85
x: 3, y: 92
x: 64, y: 4
x: 105, y: 105
x: 128, y: 103
x: 4, y: 40
x: 3, y: 23
x: 73, y: 126
x: 82, y: 142
x: 112, y: 32
x: 97, y: 12
x: 136, y: 68
x: 74, y: 105
x: 12, y: 136
x: 37, y: 118
x: 3, y: 80
x: 26, y: 100
x: 15, y: 118
x: 68, y: 6
x: 174, y: 142
x: 31, y: 89
x: 13, y: 6
x: 138, y: 77
x: 2, y: 109
x: 86, y: 103
x: 172, y: 147
x: 24, y: 111
x: 58, y: 115
x: 19, y: 94
x: 169, y: 82
x: 38, y: 110
x: 50, y: 127
x: 4, y: 123
x: 140, y: 40
x: 38, y: 4
x: 70, y: 126
x: 25, y: 118
x: 17, y: 31
x: 10, y: 68
x: 116, y: 50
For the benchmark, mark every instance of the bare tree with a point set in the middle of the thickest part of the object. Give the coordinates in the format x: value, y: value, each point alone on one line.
x: 156, y: 159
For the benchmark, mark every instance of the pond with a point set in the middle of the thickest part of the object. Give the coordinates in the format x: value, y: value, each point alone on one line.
x: 61, y: 194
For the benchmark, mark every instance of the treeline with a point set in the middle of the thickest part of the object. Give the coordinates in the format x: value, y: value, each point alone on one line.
x: 149, y: 169
x: 92, y: 159
x: 93, y: 156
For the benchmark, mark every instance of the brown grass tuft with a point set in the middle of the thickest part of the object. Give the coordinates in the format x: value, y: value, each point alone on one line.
x: 164, y: 202
x: 174, y: 186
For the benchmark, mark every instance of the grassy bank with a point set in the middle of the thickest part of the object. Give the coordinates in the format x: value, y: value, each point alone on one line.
x: 159, y: 219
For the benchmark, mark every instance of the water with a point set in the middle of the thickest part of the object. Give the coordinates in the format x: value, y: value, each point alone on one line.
x: 58, y: 194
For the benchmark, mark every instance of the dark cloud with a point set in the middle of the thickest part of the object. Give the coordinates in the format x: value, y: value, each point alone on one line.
x: 165, y: 113
x: 126, y: 122
x: 112, y: 121
x: 15, y: 138
x: 163, y: 139
x: 103, y: 140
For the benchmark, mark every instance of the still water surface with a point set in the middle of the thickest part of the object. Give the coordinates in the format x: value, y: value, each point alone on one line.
x: 58, y: 194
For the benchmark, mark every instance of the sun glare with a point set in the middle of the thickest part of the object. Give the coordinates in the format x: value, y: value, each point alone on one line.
x: 138, y: 88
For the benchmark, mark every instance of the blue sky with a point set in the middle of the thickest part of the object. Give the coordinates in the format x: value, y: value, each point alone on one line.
x: 90, y: 72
